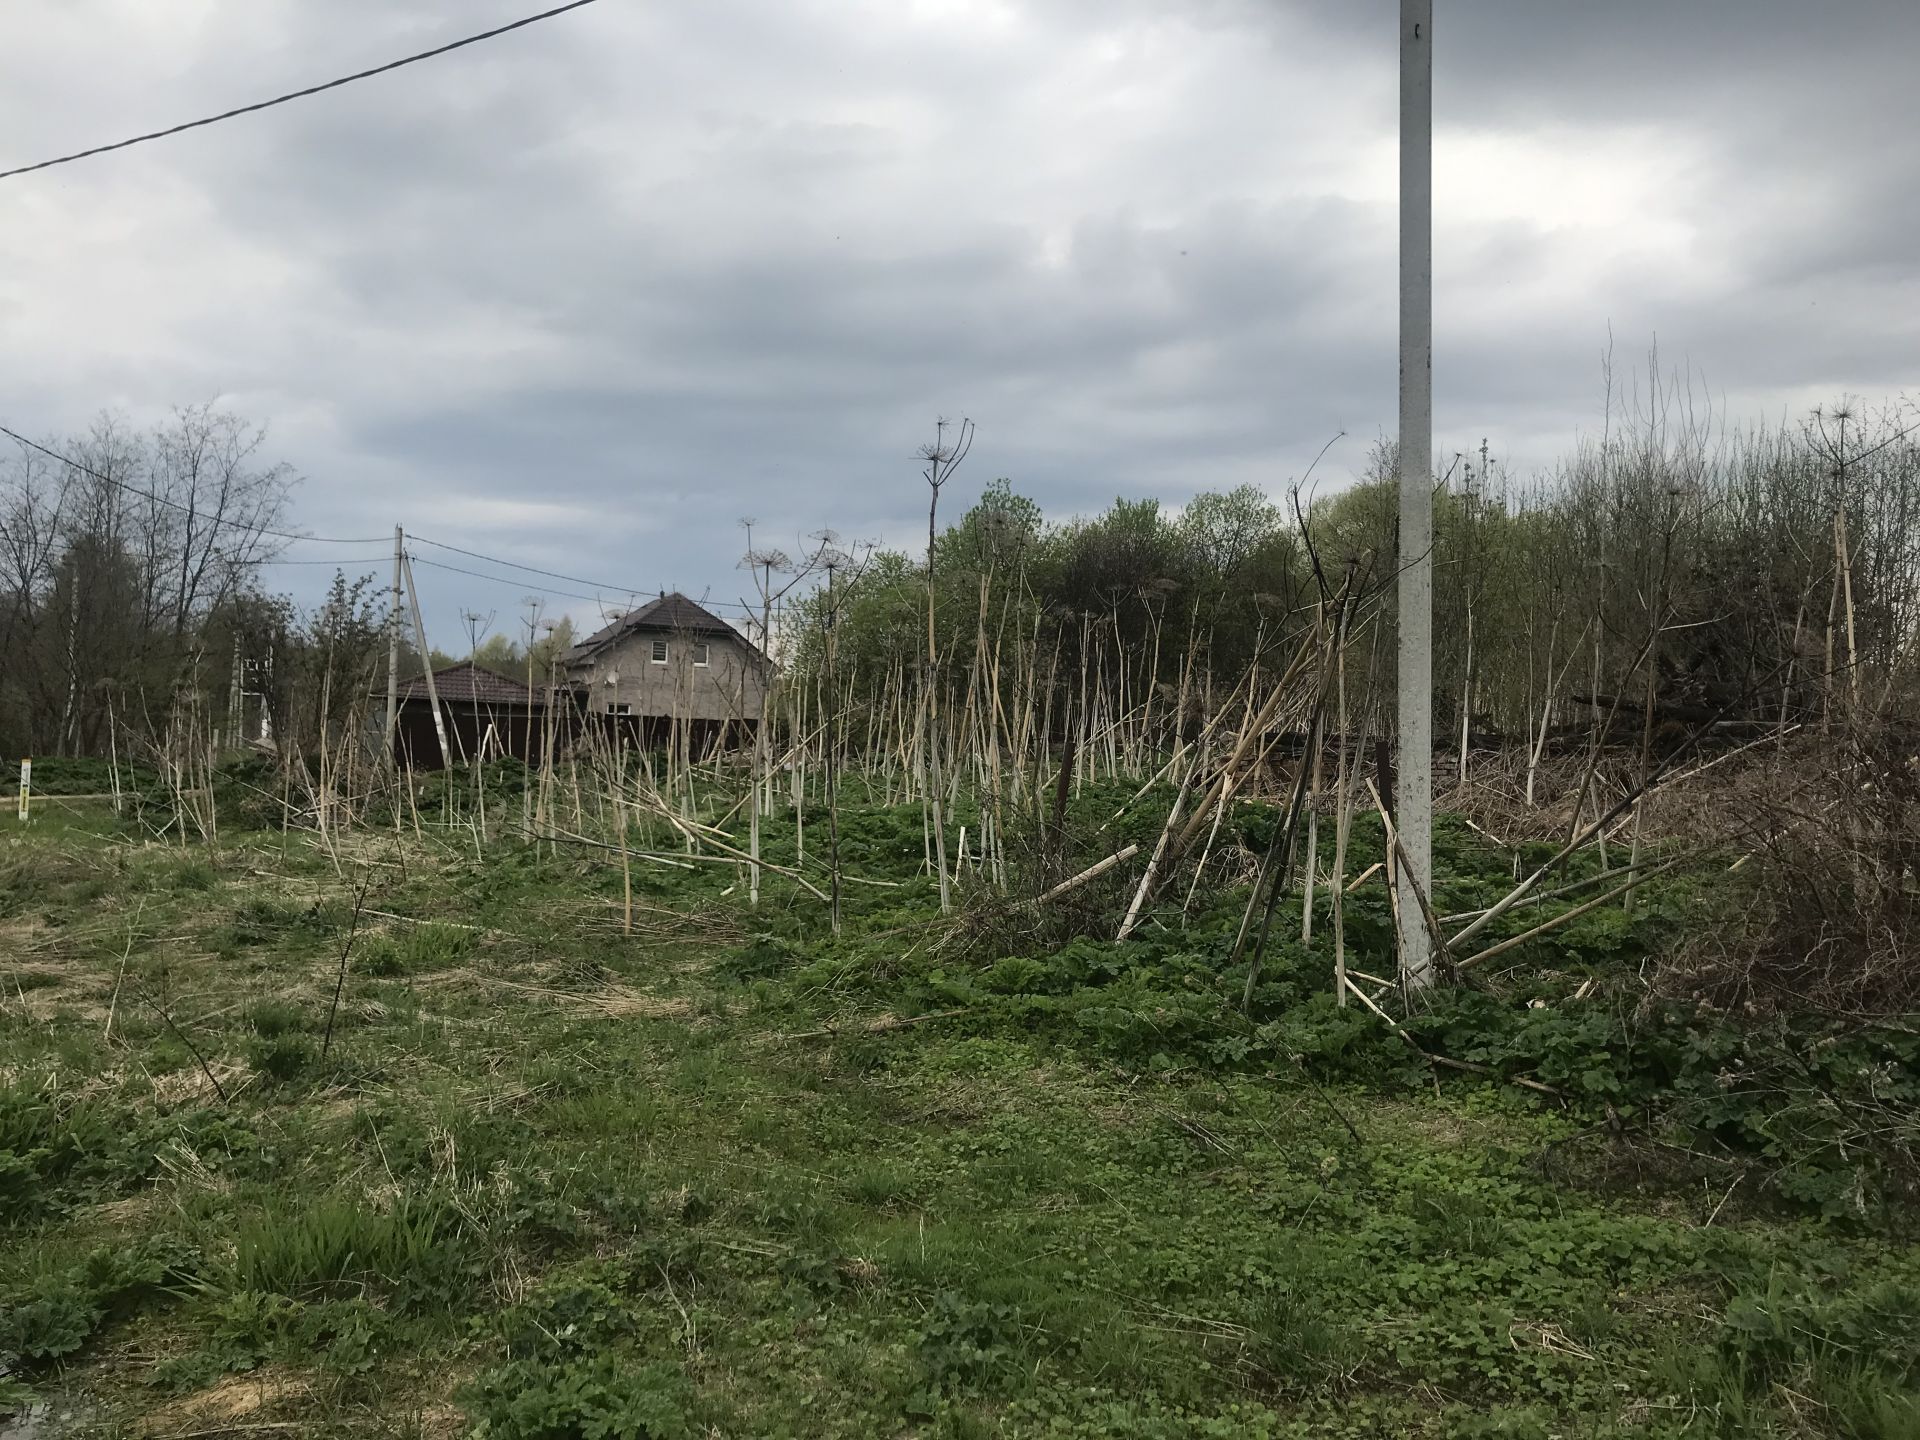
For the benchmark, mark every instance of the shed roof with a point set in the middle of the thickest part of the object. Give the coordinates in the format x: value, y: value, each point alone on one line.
x: 673, y: 612
x: 471, y: 683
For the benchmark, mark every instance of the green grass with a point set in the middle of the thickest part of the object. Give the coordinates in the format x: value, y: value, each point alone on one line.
x: 565, y: 1182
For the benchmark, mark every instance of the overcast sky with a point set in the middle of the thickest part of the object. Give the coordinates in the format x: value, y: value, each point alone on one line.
x: 587, y: 294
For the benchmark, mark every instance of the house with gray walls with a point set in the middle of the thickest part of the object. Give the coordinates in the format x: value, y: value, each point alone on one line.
x: 672, y: 660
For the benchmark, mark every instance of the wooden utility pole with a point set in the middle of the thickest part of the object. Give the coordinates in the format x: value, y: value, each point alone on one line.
x: 393, y: 644
x: 1414, y: 810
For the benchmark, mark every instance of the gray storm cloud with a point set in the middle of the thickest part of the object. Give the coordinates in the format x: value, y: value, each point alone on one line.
x: 589, y: 293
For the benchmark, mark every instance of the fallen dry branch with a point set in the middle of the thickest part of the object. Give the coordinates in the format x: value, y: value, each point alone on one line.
x: 614, y: 1002
x: 880, y: 1025
x: 1613, y: 873
x: 1564, y: 916
x: 1094, y: 871
x: 681, y: 862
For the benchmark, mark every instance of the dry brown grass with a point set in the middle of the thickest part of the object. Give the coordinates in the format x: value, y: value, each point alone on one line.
x: 234, y: 1404
x: 1824, y: 910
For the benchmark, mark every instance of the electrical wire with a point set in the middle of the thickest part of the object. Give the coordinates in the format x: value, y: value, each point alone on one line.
x: 632, y: 597
x: 342, y: 564
x: 549, y: 574
x: 294, y: 94
x: 516, y: 565
x: 148, y: 495
x: 509, y: 580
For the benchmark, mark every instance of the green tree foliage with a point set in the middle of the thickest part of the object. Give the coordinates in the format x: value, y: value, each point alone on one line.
x: 1662, y: 546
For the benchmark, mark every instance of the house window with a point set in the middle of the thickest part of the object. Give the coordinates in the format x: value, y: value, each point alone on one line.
x: 659, y: 652
x: 700, y: 652
x: 620, y: 709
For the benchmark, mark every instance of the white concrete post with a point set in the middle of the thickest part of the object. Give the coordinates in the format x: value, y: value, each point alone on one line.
x: 1414, y: 789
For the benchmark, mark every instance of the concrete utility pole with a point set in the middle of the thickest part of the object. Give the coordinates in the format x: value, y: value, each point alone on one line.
x: 1414, y: 792
x: 234, y: 709
x: 393, y: 644
x: 426, y: 666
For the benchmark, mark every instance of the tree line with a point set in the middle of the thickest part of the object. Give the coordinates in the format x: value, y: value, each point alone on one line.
x: 132, y: 609
x: 1667, y: 570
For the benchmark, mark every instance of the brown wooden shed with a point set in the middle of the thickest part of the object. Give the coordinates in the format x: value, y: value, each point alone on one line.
x: 474, y: 701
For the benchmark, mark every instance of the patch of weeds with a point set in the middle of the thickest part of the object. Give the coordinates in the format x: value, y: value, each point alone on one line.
x: 434, y: 947
x: 258, y: 920
x: 570, y: 1316
x: 597, y: 1399
x: 565, y: 1075
x: 1501, y: 1422
x: 23, y: 879
x: 194, y: 876
x: 1862, y: 1405
x: 20, y: 1185
x: 52, y: 1317
x: 419, y: 1251
x: 283, y: 1059
x: 1456, y: 1224
x: 1793, y: 1330
x: 54, y: 1314
x: 531, y: 1207
x: 271, y: 1018
x: 379, y: 955
x: 880, y: 1186
x: 1297, y: 1341
x: 349, y: 1335
x: 56, y: 1152
x: 964, y: 1344
x: 249, y: 1325
x: 219, y: 1142
x: 796, y: 1212
x: 16, y: 1396
x: 817, y: 1274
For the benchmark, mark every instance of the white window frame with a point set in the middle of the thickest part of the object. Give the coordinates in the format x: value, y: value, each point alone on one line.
x: 619, y: 707
x: 660, y: 652
x: 702, y: 654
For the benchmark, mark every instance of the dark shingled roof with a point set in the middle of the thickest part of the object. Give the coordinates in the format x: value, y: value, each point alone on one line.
x: 470, y: 683
x: 673, y: 612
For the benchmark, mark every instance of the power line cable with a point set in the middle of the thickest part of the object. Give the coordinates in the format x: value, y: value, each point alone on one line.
x: 339, y: 564
x: 295, y: 94
x: 516, y: 565
x: 549, y: 574
x: 509, y: 580
x: 618, y: 592
x: 186, y: 509
x: 148, y: 495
